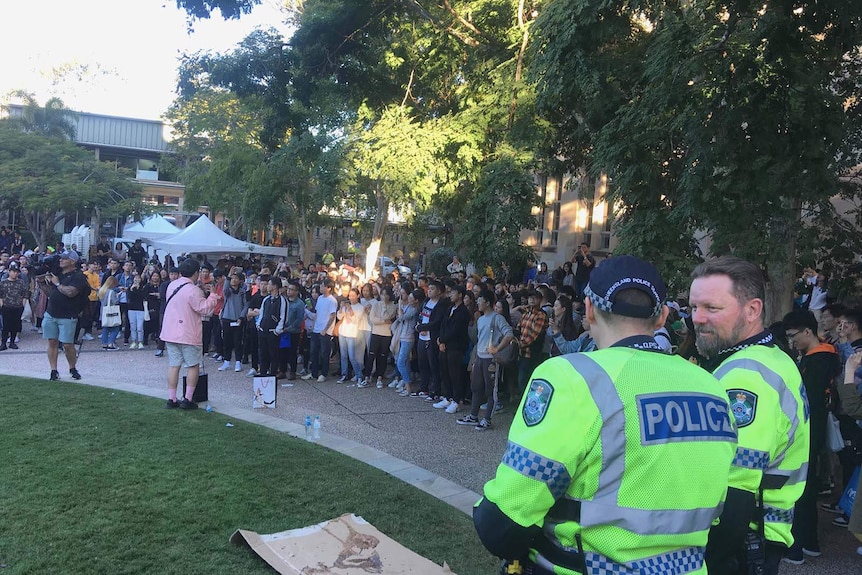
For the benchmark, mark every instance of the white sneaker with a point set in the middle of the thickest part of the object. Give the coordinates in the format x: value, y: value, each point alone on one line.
x: 395, y: 383
x: 379, y: 383
x: 453, y: 408
x: 88, y: 337
x: 138, y: 345
x: 307, y: 377
x: 237, y: 366
x: 224, y: 366
x: 442, y: 404
x: 320, y: 379
x: 253, y: 372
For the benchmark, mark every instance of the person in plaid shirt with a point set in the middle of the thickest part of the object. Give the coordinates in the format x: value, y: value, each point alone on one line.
x: 531, y: 335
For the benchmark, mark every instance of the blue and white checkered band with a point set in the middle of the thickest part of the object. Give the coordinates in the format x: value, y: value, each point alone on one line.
x: 750, y: 458
x: 607, y: 305
x: 673, y: 563
x: 598, y: 301
x: 775, y: 515
x: 551, y: 473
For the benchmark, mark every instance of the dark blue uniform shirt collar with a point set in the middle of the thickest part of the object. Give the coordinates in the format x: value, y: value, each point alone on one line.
x: 644, y: 342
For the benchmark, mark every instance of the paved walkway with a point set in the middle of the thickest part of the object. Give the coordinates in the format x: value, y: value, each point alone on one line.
x: 404, y: 437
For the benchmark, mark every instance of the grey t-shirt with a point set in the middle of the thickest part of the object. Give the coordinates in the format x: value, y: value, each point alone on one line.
x: 488, y: 323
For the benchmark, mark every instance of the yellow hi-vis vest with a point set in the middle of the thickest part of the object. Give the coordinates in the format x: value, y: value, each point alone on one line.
x: 770, y: 407
x: 623, y: 454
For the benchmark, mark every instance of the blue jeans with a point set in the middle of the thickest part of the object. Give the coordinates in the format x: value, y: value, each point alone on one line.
x: 402, y: 362
x: 136, y: 325
x: 352, y: 349
x: 321, y: 349
x: 109, y: 334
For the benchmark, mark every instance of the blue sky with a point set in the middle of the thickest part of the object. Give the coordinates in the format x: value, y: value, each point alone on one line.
x: 122, y: 53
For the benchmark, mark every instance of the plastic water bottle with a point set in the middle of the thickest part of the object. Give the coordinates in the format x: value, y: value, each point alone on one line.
x: 308, y: 427
x: 316, y: 427
x: 209, y: 408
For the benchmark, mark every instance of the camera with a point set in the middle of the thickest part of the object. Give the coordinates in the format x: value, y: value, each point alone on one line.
x: 44, y: 265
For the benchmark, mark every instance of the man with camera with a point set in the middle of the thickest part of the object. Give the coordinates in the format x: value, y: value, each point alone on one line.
x: 65, y: 284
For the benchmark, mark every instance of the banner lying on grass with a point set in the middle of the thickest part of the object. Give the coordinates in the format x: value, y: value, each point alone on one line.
x: 348, y: 545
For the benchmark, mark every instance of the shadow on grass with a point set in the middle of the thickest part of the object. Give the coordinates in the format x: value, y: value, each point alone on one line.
x: 100, y: 481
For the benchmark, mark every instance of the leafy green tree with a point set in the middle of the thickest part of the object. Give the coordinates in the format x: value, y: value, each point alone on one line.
x: 299, y: 184
x: 53, y: 119
x: 48, y: 179
x: 502, y: 203
x: 725, y: 117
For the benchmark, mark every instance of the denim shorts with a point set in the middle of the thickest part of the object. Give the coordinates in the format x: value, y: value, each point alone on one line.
x: 60, y: 328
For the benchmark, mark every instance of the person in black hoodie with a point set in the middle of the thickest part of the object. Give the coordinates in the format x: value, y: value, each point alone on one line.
x: 453, y: 343
x: 819, y: 365
x: 431, y: 316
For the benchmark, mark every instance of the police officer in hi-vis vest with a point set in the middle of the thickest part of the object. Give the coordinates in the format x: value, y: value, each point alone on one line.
x: 770, y: 409
x: 618, y: 459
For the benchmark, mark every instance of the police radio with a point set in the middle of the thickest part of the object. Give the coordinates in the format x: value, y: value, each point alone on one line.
x: 755, y: 553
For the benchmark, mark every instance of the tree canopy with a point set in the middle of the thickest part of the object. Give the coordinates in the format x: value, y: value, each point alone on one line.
x: 724, y: 117
x: 48, y: 179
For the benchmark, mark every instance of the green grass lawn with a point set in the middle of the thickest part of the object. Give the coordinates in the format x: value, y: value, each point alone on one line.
x: 100, y: 481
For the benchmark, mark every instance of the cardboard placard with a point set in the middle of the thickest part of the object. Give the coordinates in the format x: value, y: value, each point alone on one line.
x: 348, y: 545
x: 264, y: 392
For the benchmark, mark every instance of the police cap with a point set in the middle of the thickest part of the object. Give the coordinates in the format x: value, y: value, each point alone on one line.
x: 620, y: 273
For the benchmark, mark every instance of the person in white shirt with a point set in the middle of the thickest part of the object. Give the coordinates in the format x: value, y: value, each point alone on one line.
x: 321, y: 336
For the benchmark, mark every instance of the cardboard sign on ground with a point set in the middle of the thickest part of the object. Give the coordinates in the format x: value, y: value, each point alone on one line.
x: 347, y: 545
x: 264, y: 392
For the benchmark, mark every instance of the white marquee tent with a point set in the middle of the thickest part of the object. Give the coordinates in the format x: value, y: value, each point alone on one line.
x: 203, y: 237
x: 150, y: 229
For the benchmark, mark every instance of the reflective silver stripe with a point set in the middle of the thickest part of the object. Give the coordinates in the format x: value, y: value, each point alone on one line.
x: 786, y: 400
x: 530, y: 464
x: 750, y: 458
x: 675, y: 563
x: 604, y: 508
x: 613, y: 416
x: 793, y: 476
x: 776, y: 515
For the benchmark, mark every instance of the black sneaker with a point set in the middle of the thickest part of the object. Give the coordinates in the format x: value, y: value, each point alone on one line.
x: 171, y: 404
x: 483, y: 425
x: 840, y: 521
x: 160, y: 353
x: 75, y: 374
x: 13, y: 345
x: 467, y: 420
x: 55, y: 375
x: 831, y: 508
x: 188, y: 405
x: 3, y: 347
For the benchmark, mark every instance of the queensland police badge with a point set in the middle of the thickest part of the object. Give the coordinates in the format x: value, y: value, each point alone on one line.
x: 537, y: 402
x: 743, y: 405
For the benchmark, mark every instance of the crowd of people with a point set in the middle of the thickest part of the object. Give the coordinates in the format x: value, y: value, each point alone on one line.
x: 471, y: 345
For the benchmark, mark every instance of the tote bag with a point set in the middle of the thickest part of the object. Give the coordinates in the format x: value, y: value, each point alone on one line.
x: 111, y: 316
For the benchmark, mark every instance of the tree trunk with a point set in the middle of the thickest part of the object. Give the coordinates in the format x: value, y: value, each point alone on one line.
x: 380, y: 221
x: 781, y: 266
x: 303, y: 236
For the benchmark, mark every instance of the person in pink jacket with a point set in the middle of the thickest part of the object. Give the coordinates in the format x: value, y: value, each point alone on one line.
x: 182, y: 331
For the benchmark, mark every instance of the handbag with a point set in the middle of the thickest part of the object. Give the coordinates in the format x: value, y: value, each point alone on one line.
x: 833, y: 434
x: 146, y: 310
x: 111, y: 316
x: 506, y: 355
x: 849, y: 495
x: 284, y: 341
